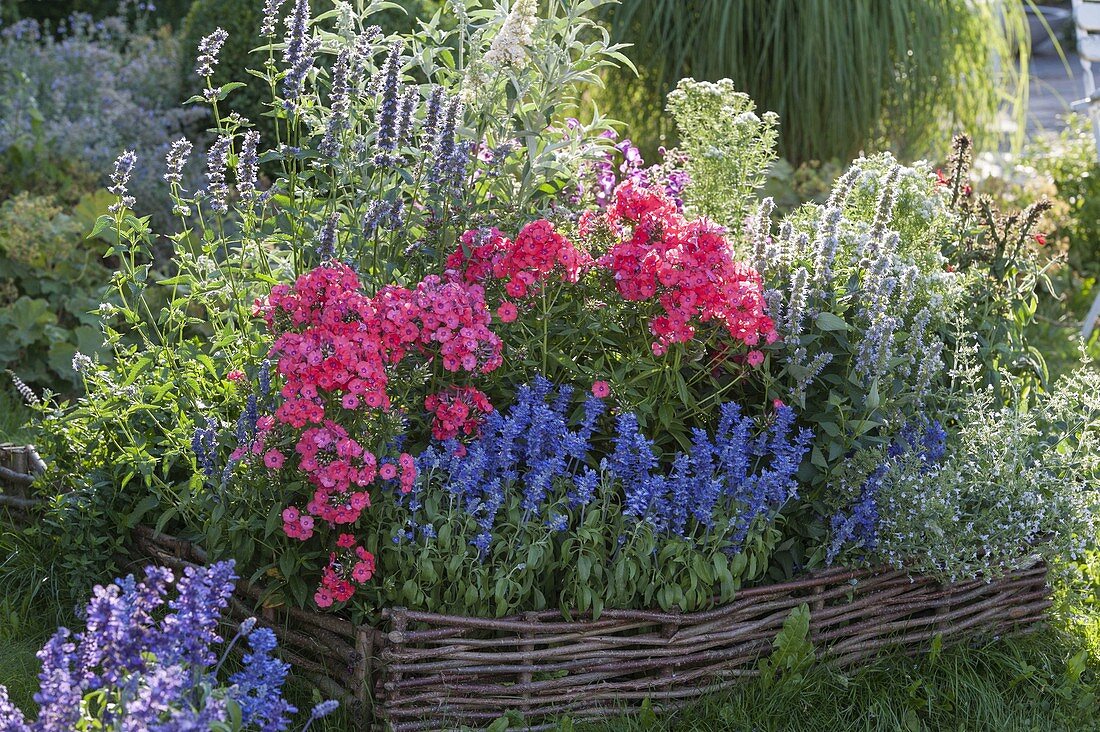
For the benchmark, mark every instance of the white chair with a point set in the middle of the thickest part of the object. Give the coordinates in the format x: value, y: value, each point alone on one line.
x: 1086, y: 16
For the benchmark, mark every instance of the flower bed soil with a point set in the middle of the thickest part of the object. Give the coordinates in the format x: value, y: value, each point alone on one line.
x: 425, y: 671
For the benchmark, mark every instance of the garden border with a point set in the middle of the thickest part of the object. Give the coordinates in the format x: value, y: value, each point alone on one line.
x: 424, y: 671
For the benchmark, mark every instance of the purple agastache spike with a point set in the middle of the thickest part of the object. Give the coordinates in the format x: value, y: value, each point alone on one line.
x: 175, y: 159
x: 217, y: 160
x: 120, y: 179
x: 386, y: 87
x: 270, y: 17
x: 209, y: 48
x: 299, y: 54
x: 338, y: 109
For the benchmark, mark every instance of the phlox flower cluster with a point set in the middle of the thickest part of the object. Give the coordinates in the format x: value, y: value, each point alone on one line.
x: 155, y: 675
x: 858, y: 525
x: 538, y: 250
x: 348, y: 566
x: 335, y: 348
x: 687, y: 266
x: 724, y: 484
x: 328, y: 340
x: 445, y: 320
x: 458, y: 410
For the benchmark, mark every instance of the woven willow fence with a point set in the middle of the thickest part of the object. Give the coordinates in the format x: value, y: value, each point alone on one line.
x: 424, y: 671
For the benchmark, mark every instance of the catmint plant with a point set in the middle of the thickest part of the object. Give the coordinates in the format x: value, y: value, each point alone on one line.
x: 860, y: 293
x: 148, y: 660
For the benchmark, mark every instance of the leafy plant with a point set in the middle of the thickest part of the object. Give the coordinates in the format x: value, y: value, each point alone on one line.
x: 792, y: 653
x: 52, y: 283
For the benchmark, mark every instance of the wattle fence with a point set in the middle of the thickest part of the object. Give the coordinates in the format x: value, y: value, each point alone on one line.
x: 425, y: 671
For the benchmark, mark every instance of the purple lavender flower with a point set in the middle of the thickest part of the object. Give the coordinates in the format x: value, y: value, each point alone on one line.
x: 154, y: 676
x: 11, y: 719
x: 188, y: 633
x: 432, y: 115
x: 258, y: 685
x: 857, y: 526
x: 299, y: 53
x: 120, y: 178
x: 449, y: 164
x: 204, y: 445
x: 209, y: 48
x: 248, y: 165
x: 406, y: 110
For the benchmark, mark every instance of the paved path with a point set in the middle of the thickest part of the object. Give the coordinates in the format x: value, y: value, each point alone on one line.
x: 1052, y: 89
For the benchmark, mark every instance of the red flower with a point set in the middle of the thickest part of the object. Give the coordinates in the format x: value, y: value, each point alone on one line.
x: 601, y: 389
x: 507, y: 312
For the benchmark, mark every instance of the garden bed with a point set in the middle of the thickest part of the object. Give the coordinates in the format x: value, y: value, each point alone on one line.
x: 421, y: 671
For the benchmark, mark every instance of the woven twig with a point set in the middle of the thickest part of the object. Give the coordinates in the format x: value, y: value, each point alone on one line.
x: 428, y: 671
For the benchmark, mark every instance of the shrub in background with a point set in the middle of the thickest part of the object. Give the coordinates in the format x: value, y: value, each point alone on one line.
x: 52, y: 281
x: 55, y: 12
x: 70, y: 103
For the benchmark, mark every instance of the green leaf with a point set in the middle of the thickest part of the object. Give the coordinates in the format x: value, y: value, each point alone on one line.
x: 144, y: 506
x: 830, y: 322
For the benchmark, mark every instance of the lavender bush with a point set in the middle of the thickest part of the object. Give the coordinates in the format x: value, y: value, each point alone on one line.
x: 860, y: 292
x: 129, y: 670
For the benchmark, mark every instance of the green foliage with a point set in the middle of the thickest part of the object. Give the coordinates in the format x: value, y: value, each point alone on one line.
x: 792, y: 651
x: 872, y: 75
x: 728, y: 147
x: 1005, y: 273
x: 52, y: 282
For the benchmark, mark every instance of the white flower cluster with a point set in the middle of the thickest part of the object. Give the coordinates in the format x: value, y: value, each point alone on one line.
x: 509, y: 47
